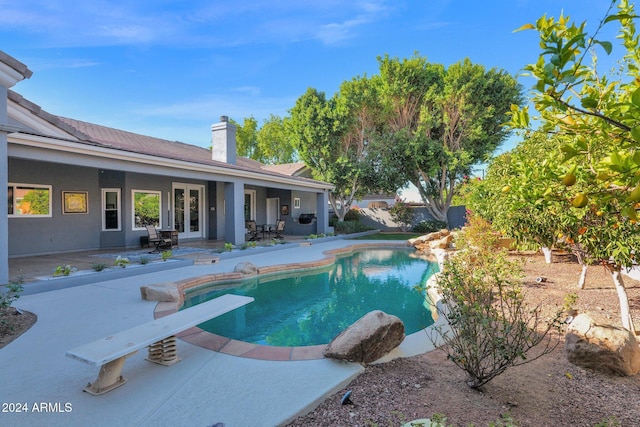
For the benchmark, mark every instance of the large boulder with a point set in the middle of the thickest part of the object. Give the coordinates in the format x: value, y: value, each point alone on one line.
x: 374, y: 335
x: 246, y: 268
x: 163, y: 292
x: 602, y: 347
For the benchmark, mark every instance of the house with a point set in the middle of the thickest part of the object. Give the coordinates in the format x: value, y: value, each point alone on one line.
x: 69, y: 185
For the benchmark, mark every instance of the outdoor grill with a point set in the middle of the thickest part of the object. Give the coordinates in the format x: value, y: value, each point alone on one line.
x: 306, y: 218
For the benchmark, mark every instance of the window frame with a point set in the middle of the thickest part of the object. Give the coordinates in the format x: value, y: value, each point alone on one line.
x: 133, y: 208
x: 118, y: 209
x: 14, y: 186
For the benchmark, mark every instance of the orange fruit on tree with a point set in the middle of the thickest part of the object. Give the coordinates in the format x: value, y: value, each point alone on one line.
x: 580, y: 201
x: 569, y: 179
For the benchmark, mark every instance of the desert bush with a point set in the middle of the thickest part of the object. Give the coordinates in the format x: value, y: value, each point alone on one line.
x: 488, y: 325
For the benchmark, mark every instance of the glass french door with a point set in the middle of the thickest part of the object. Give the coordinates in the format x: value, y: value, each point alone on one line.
x: 187, y: 210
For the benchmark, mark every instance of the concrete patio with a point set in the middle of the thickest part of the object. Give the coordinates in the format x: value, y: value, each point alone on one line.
x: 203, y: 389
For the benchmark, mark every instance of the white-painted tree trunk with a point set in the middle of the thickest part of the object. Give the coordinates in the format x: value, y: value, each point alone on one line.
x: 625, y: 313
x: 547, y: 254
x: 583, y: 276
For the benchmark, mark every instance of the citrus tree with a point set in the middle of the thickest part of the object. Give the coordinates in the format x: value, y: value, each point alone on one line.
x: 594, y: 119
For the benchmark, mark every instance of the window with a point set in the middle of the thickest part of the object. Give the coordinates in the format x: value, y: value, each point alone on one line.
x: 147, y: 207
x: 296, y: 203
x: 111, y: 209
x: 29, y: 201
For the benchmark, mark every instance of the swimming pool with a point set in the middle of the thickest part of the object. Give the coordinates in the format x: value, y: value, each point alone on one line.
x: 311, y: 307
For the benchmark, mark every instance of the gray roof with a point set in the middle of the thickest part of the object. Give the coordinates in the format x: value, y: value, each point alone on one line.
x: 93, y: 134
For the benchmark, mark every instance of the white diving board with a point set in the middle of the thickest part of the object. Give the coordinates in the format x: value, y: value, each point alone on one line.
x: 159, y: 335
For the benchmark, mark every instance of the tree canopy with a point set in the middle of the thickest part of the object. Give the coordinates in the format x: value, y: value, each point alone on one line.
x: 438, y: 122
x: 269, y: 144
x: 593, y: 119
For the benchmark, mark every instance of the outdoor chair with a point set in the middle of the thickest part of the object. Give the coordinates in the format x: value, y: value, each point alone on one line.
x: 279, y: 229
x: 252, y: 230
x: 156, y: 240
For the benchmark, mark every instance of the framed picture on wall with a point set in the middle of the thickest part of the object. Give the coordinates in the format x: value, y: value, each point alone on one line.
x: 75, y: 202
x: 284, y: 210
x: 296, y: 203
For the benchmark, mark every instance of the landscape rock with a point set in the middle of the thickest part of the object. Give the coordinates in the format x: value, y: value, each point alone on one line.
x: 602, y: 347
x: 374, y: 335
x: 246, y: 268
x: 442, y: 243
x: 162, y: 292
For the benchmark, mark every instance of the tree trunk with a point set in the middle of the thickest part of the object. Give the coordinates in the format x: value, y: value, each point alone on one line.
x: 625, y: 313
x: 547, y: 254
x: 583, y: 276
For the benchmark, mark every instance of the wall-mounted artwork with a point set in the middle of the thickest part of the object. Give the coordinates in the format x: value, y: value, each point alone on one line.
x: 284, y: 210
x: 75, y: 202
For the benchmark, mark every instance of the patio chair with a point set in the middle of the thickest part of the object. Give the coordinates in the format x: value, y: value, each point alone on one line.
x: 156, y: 240
x: 252, y: 230
x: 279, y: 229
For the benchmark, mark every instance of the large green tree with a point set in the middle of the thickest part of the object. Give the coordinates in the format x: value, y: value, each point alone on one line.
x: 594, y: 117
x: 438, y: 123
x: 332, y: 137
x: 268, y: 144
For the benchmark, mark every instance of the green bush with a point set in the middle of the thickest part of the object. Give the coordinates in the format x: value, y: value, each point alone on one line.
x: 429, y: 226
x: 489, y: 327
x: 402, y: 214
x: 99, y: 267
x: 352, y: 215
x: 7, y: 297
x: 349, y: 227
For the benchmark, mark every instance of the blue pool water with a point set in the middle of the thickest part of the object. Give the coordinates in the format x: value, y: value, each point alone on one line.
x: 313, y: 306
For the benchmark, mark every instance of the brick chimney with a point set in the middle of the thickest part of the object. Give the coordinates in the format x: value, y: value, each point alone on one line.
x: 223, y: 141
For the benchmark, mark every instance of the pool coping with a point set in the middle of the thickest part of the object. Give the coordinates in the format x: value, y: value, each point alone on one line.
x: 208, y: 340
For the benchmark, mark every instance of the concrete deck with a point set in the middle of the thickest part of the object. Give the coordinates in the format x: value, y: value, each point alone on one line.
x: 204, y: 388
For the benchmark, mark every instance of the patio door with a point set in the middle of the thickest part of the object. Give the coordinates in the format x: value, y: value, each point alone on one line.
x: 187, y: 210
x: 273, y: 209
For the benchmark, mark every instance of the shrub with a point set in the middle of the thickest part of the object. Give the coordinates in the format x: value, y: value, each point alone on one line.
x: 352, y: 214
x: 7, y: 297
x: 166, y: 255
x: 349, y: 227
x: 478, y: 234
x: 489, y: 328
x: 121, y: 262
x: 99, y: 267
x: 228, y: 247
x: 402, y: 214
x: 429, y: 226
x: 12, y: 293
x: 144, y: 260
x: 63, y: 270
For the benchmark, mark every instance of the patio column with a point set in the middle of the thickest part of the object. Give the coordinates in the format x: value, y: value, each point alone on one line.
x: 234, y: 214
x: 322, y: 215
x: 11, y: 72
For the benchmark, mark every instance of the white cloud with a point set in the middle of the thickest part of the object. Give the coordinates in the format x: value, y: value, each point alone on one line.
x: 100, y: 23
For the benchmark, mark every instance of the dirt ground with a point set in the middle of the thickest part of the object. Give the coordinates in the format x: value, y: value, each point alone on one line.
x: 14, y: 323
x: 549, y: 391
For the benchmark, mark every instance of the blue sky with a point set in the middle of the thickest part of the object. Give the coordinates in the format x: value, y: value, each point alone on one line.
x: 170, y: 68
